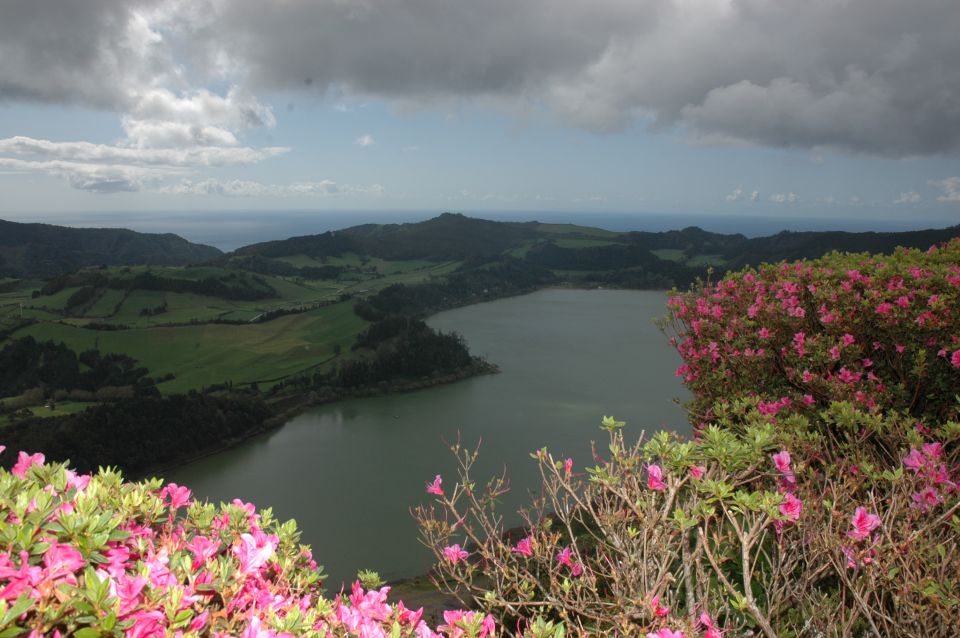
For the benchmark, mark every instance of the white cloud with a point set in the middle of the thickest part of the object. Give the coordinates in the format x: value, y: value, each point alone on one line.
x: 365, y: 140
x: 855, y: 200
x: 248, y: 188
x: 950, y: 188
x: 755, y: 196
x: 910, y: 197
x: 188, y: 156
x: 92, y: 177
x: 785, y: 198
x: 736, y: 195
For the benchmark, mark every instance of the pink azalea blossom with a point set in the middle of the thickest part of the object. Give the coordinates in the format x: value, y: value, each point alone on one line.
x: 176, y: 496
x: 25, y: 462
x: 862, y: 523
x: 791, y: 507
x: 564, y: 557
x: 568, y: 466
x: 782, y: 460
x: 454, y: 553
x: 524, y: 547
x: 697, y: 471
x: 666, y: 633
x: 655, y: 478
x: 659, y: 610
x: 434, y: 488
x: 926, y: 499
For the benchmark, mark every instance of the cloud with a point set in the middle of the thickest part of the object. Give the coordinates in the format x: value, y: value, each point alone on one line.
x: 739, y: 195
x: 785, y: 198
x: 188, y: 156
x: 247, y: 188
x: 910, y: 197
x: 862, y: 76
x: 365, y: 140
x: 736, y: 195
x: 950, y: 187
x: 91, y: 177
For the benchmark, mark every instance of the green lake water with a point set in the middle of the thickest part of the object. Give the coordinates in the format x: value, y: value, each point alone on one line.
x: 349, y: 472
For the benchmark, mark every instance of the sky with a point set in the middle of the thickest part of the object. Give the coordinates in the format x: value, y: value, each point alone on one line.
x: 797, y: 108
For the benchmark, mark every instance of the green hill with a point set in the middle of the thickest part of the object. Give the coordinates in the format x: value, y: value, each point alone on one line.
x: 39, y: 251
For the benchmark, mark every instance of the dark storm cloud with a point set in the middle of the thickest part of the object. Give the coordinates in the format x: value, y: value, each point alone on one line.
x: 880, y: 77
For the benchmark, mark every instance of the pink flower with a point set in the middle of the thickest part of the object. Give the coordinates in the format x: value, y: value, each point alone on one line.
x: 848, y: 339
x: 62, y: 560
x: 884, y: 308
x: 926, y: 499
x: 914, y: 461
x: 665, y: 633
x: 254, y: 550
x: 568, y: 466
x: 176, y: 495
x: 25, y: 462
x: 658, y: 610
x: 454, y: 553
x: 524, y: 547
x: 862, y: 524
x: 434, y: 488
x: 782, y: 460
x: 655, y: 478
x: 697, y: 471
x: 791, y: 507
x: 564, y: 557
x: 955, y: 359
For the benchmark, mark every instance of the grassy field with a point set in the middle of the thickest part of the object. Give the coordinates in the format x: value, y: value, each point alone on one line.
x: 565, y: 242
x: 573, y: 229
x: 208, y: 354
x: 670, y: 254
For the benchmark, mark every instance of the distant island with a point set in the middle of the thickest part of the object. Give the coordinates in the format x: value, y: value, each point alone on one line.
x: 137, y: 350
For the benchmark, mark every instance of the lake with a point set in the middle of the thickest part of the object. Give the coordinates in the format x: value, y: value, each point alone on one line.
x: 349, y: 472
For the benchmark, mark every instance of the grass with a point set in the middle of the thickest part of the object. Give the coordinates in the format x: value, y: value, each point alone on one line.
x: 573, y: 229
x: 566, y: 242
x: 670, y: 254
x: 208, y: 354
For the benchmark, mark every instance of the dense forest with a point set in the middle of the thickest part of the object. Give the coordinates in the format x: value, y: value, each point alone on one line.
x: 140, y: 433
x: 26, y: 363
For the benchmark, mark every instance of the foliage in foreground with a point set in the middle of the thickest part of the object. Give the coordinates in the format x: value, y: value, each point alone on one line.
x: 818, y: 496
x: 89, y: 556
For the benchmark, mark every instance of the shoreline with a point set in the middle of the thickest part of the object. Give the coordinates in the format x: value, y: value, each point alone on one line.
x: 296, y: 405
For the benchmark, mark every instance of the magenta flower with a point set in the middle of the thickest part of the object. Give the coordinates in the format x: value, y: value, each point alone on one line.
x: 697, y: 471
x: 955, y: 359
x: 434, y: 488
x: 454, y: 553
x: 564, y: 557
x: 666, y: 633
x: 25, y: 462
x: 568, y: 466
x: 862, y: 524
x: 926, y: 499
x: 655, y: 478
x: 782, y: 461
x: 659, y: 610
x: 176, y: 496
x: 524, y: 547
x: 791, y: 507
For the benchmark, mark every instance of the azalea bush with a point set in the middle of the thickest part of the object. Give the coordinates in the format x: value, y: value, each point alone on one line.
x: 741, y: 530
x: 89, y: 556
x: 880, y: 331
x: 817, y: 496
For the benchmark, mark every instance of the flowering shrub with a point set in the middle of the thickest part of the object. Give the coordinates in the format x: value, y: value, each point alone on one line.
x: 879, y: 331
x: 95, y: 556
x: 818, y: 496
x: 739, y: 530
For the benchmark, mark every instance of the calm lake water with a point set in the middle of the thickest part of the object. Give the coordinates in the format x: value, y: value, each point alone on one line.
x: 349, y: 472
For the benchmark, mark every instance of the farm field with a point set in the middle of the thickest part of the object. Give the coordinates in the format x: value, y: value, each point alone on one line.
x: 207, y: 354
